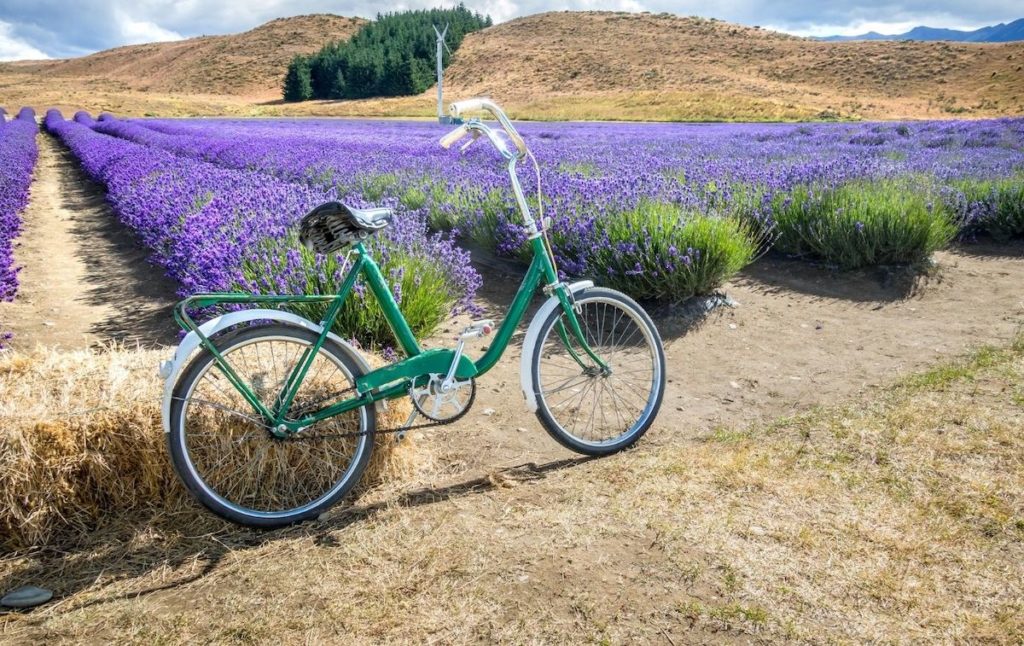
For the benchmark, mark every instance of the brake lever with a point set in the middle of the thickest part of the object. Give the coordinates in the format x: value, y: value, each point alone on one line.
x: 465, y: 146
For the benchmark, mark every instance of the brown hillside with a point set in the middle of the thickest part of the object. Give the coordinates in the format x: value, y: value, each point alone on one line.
x: 252, y: 63
x: 565, y: 65
x: 609, y: 56
x: 246, y: 63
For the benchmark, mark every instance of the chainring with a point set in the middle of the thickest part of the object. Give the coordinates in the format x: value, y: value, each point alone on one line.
x: 432, y: 402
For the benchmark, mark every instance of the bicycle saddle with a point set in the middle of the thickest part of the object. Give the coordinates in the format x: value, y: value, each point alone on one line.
x: 333, y: 226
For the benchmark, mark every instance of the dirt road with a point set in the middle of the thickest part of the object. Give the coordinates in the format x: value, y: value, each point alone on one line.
x: 84, y: 279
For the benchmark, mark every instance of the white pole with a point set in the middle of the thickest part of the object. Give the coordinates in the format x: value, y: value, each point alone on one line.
x: 440, y: 72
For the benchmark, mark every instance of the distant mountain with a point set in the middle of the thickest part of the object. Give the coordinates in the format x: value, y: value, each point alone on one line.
x: 1001, y: 33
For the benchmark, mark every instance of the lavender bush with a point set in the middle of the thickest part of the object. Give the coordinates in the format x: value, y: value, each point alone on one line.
x: 592, y: 172
x: 216, y: 228
x: 996, y: 205
x: 656, y: 251
x: 17, y: 160
x: 859, y: 224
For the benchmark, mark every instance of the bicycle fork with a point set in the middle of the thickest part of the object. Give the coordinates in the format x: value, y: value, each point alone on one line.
x: 571, y: 310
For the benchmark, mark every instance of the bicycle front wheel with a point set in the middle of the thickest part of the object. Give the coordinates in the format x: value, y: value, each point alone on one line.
x: 225, y: 453
x: 587, y: 408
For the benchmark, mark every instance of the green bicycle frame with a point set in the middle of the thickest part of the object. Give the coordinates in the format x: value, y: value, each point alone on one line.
x: 393, y: 380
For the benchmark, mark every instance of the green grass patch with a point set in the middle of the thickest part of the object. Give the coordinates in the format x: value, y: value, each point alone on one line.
x: 420, y: 285
x: 943, y: 376
x: 656, y: 251
x: 376, y: 187
x: 413, y: 198
x: 863, y: 223
x: 587, y: 170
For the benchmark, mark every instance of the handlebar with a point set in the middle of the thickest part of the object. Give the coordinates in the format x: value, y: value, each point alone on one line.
x: 449, y: 139
x: 477, y: 128
x: 459, y: 108
x: 467, y: 105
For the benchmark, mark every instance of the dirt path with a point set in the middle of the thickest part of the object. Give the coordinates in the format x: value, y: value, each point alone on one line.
x: 799, y: 337
x: 84, y: 280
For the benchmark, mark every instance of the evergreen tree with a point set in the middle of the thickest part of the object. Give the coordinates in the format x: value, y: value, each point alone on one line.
x: 297, y: 82
x: 338, y: 85
x: 391, y: 56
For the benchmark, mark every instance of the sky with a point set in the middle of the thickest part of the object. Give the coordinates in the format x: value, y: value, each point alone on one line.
x: 58, y: 29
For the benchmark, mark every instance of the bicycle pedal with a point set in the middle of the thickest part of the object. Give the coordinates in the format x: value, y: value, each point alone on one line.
x: 477, y: 328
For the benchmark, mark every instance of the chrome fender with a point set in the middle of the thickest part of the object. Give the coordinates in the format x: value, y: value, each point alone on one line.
x: 171, y: 368
x: 530, y: 342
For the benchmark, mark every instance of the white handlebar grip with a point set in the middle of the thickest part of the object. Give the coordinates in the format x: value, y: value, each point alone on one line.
x: 469, y: 105
x: 453, y: 136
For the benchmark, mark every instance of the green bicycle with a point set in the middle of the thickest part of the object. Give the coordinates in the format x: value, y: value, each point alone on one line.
x: 271, y: 418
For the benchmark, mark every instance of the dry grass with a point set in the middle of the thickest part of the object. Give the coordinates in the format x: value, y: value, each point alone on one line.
x: 82, y: 445
x: 898, y: 518
x: 566, y: 65
x: 242, y: 64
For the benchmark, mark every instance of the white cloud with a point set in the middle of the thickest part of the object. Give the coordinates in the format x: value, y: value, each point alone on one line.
x: 13, y: 49
x: 499, y: 10
x: 134, y: 32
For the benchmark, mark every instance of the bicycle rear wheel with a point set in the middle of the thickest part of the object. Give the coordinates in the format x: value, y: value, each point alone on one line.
x: 587, y: 409
x: 225, y: 453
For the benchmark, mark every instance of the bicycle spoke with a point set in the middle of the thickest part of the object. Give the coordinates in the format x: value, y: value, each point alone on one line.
x: 593, y: 405
x: 234, y: 454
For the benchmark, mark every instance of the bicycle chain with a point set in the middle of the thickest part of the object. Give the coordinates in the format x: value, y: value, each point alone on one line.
x: 313, y: 405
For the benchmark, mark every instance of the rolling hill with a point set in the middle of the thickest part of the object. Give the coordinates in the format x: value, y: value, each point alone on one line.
x: 1001, y: 33
x: 196, y: 75
x: 642, y: 63
x: 252, y: 62
x: 561, y: 65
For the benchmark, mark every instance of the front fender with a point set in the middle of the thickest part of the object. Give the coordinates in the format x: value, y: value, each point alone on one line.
x: 530, y: 342
x: 171, y: 368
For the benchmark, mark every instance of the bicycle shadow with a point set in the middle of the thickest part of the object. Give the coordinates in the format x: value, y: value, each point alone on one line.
x: 121, y: 556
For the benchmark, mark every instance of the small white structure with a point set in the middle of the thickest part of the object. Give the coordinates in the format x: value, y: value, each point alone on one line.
x: 441, y: 116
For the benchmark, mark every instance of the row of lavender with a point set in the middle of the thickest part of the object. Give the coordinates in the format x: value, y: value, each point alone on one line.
x: 18, y: 155
x: 213, y: 228
x: 851, y: 194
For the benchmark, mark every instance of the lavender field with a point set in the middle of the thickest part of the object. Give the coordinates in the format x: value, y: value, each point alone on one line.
x: 17, y: 159
x: 663, y: 211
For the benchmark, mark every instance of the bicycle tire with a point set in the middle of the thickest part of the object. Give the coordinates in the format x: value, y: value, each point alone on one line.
x: 190, y: 473
x: 599, y: 385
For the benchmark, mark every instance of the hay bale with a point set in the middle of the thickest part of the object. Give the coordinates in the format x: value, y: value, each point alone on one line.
x: 81, y: 444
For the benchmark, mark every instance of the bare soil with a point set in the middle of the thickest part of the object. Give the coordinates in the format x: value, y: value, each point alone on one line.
x: 84, y: 280
x: 799, y: 337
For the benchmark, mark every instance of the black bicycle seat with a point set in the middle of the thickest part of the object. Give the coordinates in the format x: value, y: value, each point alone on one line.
x: 333, y: 226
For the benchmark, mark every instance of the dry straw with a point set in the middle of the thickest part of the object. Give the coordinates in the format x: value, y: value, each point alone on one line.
x: 81, y: 444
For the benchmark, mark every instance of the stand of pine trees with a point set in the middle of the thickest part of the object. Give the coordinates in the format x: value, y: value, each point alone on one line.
x: 392, y: 56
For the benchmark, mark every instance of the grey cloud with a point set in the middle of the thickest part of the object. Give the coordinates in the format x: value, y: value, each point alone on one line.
x: 62, y: 29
